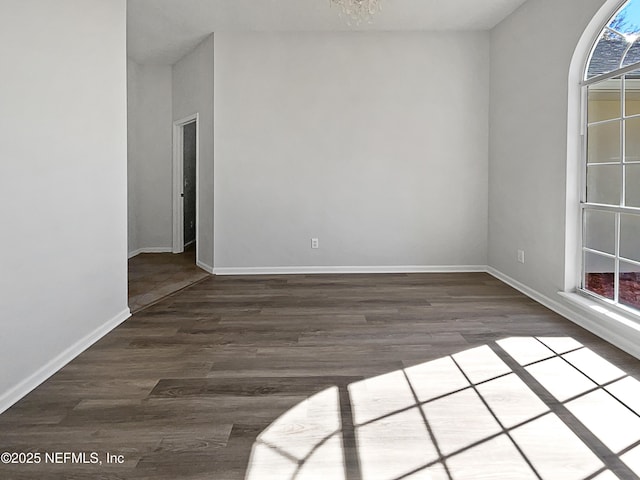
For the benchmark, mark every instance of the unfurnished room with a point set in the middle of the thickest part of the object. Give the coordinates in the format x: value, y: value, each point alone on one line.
x: 320, y: 239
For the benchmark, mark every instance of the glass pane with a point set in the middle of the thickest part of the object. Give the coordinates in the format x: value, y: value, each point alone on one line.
x: 604, y: 100
x: 629, y: 285
x: 632, y: 140
x: 627, y: 20
x: 633, y: 55
x: 630, y: 237
x: 600, y: 231
x: 632, y: 93
x: 608, y: 54
x: 604, y: 142
x: 632, y: 179
x: 598, y: 274
x: 603, y: 184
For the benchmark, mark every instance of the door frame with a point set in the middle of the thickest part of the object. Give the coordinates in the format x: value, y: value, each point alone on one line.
x: 178, y: 173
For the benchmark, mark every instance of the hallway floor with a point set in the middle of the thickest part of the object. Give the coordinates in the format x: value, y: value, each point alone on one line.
x: 153, y: 276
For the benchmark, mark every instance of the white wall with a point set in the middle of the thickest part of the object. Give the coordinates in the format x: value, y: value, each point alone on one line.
x: 63, y: 181
x: 531, y: 52
x: 150, y: 157
x: 375, y: 143
x: 534, y: 159
x: 132, y: 155
x: 193, y: 93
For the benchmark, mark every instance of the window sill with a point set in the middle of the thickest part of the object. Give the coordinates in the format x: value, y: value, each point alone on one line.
x: 602, y: 311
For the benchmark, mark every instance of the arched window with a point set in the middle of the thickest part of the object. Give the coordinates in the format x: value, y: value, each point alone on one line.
x: 611, y: 187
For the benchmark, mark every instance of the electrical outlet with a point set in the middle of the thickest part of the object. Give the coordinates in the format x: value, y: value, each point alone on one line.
x: 315, y: 243
x: 521, y: 256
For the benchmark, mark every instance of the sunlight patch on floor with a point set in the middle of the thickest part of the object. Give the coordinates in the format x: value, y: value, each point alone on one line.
x: 560, y: 379
x: 379, y: 396
x: 525, y: 350
x: 297, y: 431
x: 436, y: 378
x: 519, y: 408
x: 480, y: 364
x: 325, y: 462
x: 449, y: 418
x: 511, y: 401
x: 394, y: 446
x: 496, y: 458
x: 554, y: 450
x: 615, y: 425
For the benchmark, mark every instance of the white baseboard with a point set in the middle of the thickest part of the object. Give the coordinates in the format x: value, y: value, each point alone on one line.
x: 10, y: 397
x: 204, y: 266
x: 580, y: 311
x: 151, y: 250
x: 346, y: 269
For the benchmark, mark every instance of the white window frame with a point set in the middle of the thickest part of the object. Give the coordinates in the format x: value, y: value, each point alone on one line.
x: 618, y: 210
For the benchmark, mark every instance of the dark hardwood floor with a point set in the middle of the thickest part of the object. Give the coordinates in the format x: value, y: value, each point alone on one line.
x: 153, y: 276
x: 356, y: 377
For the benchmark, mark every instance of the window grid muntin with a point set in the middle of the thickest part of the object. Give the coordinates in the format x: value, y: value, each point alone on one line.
x: 621, y: 44
x: 617, y: 119
x: 619, y: 209
x: 611, y: 256
x: 631, y: 37
x: 614, y: 73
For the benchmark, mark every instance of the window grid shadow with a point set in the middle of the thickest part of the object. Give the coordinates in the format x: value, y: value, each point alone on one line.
x: 434, y: 440
x: 506, y: 431
x: 600, y: 386
x: 351, y: 459
x: 610, y: 459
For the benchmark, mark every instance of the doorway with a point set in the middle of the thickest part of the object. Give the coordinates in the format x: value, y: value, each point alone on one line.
x: 185, y: 184
x: 153, y: 276
x: 189, y: 135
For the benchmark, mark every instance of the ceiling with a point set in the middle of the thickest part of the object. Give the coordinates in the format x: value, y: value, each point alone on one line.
x: 162, y: 31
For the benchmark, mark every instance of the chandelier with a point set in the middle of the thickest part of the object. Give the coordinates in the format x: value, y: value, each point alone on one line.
x: 358, y: 11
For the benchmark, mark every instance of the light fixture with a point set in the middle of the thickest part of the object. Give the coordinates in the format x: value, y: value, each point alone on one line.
x: 358, y: 11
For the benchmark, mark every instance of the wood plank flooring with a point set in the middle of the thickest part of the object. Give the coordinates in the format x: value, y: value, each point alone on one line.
x: 153, y: 276
x: 354, y: 377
